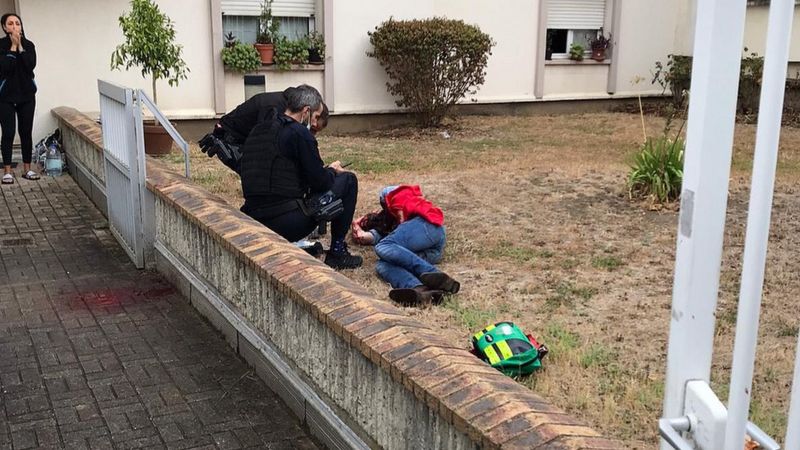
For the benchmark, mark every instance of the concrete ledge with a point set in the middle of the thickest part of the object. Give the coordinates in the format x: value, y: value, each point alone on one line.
x: 356, y: 369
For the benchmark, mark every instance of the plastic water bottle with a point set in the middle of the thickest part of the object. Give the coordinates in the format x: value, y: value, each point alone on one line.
x: 52, y: 162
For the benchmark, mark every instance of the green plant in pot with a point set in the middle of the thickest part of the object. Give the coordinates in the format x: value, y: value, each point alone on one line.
x: 150, y: 44
x: 599, y: 44
x: 576, y: 52
x: 241, y: 57
x: 290, y: 52
x: 267, y: 33
x: 316, y: 48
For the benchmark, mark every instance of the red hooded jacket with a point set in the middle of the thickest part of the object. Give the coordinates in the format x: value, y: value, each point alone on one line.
x: 408, y: 199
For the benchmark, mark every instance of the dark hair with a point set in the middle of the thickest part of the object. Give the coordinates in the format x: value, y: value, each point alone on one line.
x: 6, y: 16
x: 323, y: 117
x: 302, y: 96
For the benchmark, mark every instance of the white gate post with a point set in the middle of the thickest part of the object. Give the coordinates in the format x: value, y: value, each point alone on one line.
x: 770, y: 110
x: 719, y: 34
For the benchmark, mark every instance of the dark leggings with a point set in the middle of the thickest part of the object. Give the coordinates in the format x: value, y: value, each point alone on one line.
x: 8, y: 114
x: 294, y: 225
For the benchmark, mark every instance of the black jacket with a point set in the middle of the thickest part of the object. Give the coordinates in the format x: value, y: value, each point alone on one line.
x: 281, y: 161
x: 256, y: 109
x: 16, y: 72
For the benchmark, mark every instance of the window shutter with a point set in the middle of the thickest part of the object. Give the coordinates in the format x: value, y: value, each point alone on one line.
x: 280, y: 8
x: 576, y: 14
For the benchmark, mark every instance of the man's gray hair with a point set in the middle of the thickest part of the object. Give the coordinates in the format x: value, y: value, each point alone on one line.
x: 302, y: 96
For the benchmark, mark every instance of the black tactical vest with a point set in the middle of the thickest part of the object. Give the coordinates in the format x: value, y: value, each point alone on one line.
x: 267, y: 175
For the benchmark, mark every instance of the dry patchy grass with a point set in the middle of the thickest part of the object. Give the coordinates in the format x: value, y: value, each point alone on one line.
x: 540, y: 231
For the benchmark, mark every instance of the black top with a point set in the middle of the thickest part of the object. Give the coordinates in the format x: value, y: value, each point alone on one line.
x: 16, y: 72
x: 255, y: 110
x: 274, y: 173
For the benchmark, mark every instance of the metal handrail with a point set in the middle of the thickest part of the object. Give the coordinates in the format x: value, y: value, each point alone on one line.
x: 162, y: 119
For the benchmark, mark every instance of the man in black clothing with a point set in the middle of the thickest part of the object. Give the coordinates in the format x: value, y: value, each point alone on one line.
x: 229, y: 134
x: 281, y: 167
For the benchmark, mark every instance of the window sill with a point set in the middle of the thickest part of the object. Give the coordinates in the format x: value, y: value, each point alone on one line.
x: 294, y: 68
x: 569, y: 62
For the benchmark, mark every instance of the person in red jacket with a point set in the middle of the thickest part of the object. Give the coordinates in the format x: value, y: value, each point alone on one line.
x: 409, y: 238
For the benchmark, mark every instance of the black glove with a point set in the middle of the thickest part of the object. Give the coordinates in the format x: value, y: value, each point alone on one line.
x: 207, y: 145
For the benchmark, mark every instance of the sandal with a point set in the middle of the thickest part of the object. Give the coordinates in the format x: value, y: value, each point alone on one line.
x: 8, y: 179
x: 31, y: 175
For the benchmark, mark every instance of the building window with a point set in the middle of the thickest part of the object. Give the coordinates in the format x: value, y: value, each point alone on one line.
x: 240, y: 17
x: 573, y: 22
x: 245, y: 28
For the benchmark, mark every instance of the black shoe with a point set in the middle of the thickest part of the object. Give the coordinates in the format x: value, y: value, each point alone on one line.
x: 314, y: 250
x: 418, y: 296
x: 343, y: 260
x: 440, y: 281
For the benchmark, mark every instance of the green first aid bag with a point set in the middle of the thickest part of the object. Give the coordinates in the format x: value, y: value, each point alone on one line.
x: 506, y: 348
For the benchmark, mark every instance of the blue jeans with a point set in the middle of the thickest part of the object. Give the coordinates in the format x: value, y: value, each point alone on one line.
x: 409, y: 251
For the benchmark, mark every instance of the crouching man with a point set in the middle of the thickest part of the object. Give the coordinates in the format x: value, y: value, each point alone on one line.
x: 284, y: 178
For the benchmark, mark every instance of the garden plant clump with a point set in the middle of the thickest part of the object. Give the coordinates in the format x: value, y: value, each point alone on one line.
x: 432, y: 64
x: 541, y: 232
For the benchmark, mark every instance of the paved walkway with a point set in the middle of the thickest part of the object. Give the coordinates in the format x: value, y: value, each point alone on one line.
x: 96, y: 354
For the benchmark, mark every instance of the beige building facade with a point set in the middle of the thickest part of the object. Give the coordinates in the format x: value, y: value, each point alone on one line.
x: 75, y: 40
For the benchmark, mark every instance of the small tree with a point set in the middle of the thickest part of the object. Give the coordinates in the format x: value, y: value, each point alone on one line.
x: 149, y: 44
x: 432, y: 63
x: 268, y: 25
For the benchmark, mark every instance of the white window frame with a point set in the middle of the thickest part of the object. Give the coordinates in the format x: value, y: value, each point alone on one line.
x: 570, y: 40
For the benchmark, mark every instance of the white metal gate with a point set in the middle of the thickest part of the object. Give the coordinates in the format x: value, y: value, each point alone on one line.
x: 693, y: 415
x: 123, y: 158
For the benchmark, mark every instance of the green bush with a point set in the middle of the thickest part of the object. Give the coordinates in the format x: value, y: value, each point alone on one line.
x: 657, y: 171
x: 290, y: 52
x: 241, y: 57
x: 676, y: 76
x: 431, y: 63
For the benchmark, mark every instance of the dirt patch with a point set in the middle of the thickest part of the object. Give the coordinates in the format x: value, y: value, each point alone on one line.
x: 541, y: 231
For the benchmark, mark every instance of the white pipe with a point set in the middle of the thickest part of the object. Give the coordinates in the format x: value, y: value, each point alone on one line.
x: 758, y: 219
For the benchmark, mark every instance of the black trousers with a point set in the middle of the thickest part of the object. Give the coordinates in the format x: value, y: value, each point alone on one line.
x: 294, y: 225
x: 10, y: 114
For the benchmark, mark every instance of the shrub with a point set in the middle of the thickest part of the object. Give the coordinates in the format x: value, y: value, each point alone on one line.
x: 431, y: 63
x: 676, y: 76
x: 267, y: 24
x: 241, y: 57
x: 657, y: 171
x: 290, y: 52
x: 750, y: 74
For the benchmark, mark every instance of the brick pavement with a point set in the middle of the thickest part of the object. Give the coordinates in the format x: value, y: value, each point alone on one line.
x: 97, y: 354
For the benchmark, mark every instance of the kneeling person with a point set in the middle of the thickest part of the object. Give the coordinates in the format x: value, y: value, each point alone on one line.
x: 281, y: 168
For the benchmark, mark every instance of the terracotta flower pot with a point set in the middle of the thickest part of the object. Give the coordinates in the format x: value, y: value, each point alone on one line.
x: 598, y: 54
x: 266, y: 51
x: 157, y: 142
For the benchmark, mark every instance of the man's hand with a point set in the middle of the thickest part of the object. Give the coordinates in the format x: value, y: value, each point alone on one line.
x: 337, y: 166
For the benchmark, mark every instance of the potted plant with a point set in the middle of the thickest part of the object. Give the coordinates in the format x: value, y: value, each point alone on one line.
x: 599, y: 44
x: 267, y: 33
x: 316, y: 48
x: 241, y: 57
x: 150, y: 44
x: 576, y: 52
x: 290, y: 52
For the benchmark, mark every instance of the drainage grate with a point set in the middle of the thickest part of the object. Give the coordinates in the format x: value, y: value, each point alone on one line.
x: 16, y: 242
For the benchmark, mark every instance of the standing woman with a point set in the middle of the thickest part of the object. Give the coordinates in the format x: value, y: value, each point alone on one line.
x: 17, y: 95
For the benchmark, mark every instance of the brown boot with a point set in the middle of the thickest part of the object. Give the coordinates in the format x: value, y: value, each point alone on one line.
x: 417, y: 296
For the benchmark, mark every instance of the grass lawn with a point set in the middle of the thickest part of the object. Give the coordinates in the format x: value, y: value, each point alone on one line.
x: 541, y: 231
